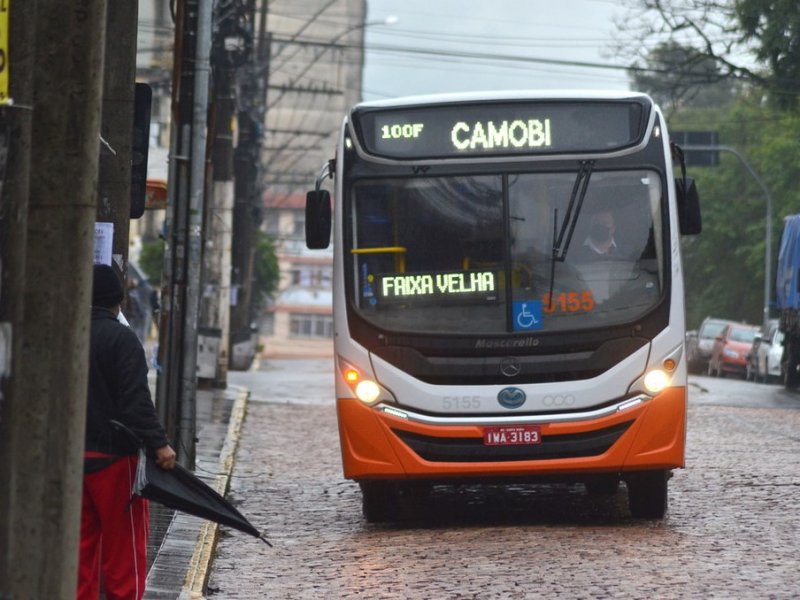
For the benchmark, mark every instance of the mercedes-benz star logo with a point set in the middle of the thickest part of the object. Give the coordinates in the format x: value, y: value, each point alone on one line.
x: 510, y: 366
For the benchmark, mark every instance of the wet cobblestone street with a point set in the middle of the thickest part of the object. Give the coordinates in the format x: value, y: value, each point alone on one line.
x: 732, y: 530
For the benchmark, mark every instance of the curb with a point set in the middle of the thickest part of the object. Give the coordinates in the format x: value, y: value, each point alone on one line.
x: 200, y: 563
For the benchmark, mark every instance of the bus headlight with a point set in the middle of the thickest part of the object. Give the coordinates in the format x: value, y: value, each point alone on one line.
x: 656, y: 381
x: 659, y: 374
x: 367, y: 391
x: 364, y: 388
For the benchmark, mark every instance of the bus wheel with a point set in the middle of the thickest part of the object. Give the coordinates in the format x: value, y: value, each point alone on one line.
x: 378, y: 500
x: 602, y: 486
x: 647, y: 493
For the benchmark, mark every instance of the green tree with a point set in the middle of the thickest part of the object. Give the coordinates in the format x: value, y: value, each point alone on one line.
x: 773, y: 27
x: 266, y: 271
x: 151, y: 260
x: 724, y: 265
x: 724, y: 32
x: 678, y: 76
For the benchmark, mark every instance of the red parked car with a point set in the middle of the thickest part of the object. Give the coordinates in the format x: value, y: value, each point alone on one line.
x: 731, y: 349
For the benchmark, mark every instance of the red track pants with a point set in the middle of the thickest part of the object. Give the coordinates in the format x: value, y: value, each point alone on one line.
x: 114, y: 532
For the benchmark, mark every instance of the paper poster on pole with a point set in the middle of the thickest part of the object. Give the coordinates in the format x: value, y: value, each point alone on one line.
x: 103, y: 243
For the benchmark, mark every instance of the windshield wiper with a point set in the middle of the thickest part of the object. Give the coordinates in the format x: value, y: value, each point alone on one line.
x: 563, y: 238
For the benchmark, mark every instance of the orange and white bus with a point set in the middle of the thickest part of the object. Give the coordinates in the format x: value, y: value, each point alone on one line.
x: 508, y: 293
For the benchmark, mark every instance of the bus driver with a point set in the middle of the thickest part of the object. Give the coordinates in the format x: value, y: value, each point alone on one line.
x: 600, y: 242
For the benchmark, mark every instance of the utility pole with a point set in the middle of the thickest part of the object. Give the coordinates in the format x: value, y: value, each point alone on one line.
x: 247, y: 206
x: 16, y: 125
x: 215, y: 301
x: 46, y: 407
x: 114, y: 178
x: 177, y: 381
x: 220, y: 225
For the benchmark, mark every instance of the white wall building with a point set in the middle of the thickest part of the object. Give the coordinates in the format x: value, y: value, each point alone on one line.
x: 299, y: 322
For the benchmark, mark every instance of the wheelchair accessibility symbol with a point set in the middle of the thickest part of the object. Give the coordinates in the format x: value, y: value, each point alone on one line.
x: 527, y: 315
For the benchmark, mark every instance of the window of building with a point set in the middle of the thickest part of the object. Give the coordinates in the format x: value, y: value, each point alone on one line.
x: 310, y: 325
x: 300, y: 224
x: 312, y: 276
x: 272, y: 222
x: 266, y: 324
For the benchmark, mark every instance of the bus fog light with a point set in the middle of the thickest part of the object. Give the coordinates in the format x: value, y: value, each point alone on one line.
x: 367, y: 391
x: 656, y: 380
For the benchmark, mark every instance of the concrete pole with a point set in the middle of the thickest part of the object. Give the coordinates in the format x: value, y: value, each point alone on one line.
x: 247, y: 191
x: 217, y: 280
x: 50, y: 371
x: 13, y: 235
x: 114, y: 178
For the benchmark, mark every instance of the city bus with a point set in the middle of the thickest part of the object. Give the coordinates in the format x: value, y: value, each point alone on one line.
x: 508, y: 294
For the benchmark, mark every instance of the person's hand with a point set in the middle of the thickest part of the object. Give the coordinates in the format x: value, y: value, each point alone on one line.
x: 165, y: 457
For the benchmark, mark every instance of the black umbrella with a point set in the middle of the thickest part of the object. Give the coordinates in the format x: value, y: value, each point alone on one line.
x: 181, y: 490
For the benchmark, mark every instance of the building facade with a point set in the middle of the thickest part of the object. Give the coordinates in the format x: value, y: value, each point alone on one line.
x: 316, y: 62
x: 299, y: 322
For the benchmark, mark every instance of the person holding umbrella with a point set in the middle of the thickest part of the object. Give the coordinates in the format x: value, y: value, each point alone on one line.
x: 115, y: 523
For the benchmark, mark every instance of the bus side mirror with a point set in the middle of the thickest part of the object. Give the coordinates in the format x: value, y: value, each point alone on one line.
x: 688, y: 207
x: 318, y: 219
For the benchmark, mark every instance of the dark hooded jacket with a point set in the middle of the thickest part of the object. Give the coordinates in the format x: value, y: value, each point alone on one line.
x: 118, y: 389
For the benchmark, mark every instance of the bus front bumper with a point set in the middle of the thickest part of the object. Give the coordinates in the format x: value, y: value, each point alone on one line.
x: 391, y: 443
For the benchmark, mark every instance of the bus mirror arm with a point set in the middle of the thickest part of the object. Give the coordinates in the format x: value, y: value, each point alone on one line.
x: 326, y: 172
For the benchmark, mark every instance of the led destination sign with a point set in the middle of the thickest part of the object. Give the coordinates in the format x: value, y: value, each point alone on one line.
x: 509, y: 128
x: 465, y: 284
x: 518, y: 133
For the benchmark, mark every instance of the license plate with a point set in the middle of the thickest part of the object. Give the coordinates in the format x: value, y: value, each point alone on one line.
x: 511, y: 435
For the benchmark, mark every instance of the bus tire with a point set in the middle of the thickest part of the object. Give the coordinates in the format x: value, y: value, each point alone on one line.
x: 647, y: 493
x: 378, y: 500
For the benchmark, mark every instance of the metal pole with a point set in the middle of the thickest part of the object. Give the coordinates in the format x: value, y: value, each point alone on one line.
x: 173, y: 280
x: 768, y: 234
x: 188, y: 412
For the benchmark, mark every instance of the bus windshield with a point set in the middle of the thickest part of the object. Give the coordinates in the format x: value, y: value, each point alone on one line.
x: 477, y: 254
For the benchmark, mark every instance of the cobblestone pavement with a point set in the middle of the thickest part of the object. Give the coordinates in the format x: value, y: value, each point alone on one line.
x: 732, y: 531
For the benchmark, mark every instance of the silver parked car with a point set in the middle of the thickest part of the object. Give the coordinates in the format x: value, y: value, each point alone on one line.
x: 764, y: 363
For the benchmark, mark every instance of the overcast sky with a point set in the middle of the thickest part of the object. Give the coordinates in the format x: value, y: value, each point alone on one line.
x: 447, y: 45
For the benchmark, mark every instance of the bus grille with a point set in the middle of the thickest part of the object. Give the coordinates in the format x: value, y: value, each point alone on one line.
x: 574, y: 445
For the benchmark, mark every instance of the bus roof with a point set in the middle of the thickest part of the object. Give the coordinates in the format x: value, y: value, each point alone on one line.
x: 502, y: 125
x: 503, y: 95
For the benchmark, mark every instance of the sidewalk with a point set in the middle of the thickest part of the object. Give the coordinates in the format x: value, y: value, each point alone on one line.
x: 181, y: 546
